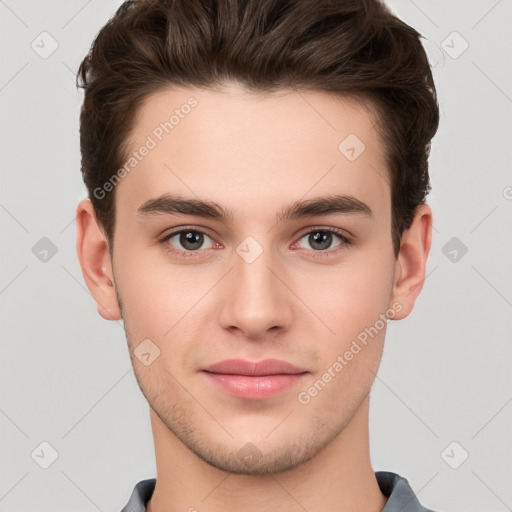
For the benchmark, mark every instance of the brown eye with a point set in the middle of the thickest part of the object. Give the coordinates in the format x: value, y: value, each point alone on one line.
x: 191, y: 240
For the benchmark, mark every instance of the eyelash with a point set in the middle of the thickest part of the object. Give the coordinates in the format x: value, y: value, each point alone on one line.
x: 316, y: 254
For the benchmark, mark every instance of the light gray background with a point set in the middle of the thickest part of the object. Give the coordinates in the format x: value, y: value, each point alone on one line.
x: 66, y: 376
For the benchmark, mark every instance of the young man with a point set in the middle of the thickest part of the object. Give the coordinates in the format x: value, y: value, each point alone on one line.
x: 257, y: 174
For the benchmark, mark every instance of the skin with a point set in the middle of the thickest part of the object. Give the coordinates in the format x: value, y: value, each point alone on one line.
x: 255, y: 154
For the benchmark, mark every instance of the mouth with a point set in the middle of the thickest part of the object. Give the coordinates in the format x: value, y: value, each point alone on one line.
x: 254, y: 380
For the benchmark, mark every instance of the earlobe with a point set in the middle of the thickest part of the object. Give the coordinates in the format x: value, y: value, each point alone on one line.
x: 411, y: 261
x: 93, y: 254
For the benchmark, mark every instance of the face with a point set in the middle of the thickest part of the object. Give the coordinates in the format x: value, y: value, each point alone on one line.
x: 256, y: 228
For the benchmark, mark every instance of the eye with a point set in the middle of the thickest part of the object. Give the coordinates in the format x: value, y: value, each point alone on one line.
x: 322, y: 239
x: 192, y: 242
x: 187, y: 241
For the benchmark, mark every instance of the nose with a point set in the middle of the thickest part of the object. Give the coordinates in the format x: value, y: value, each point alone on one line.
x: 257, y: 301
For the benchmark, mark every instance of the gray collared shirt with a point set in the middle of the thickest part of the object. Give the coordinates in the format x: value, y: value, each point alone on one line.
x: 401, y: 497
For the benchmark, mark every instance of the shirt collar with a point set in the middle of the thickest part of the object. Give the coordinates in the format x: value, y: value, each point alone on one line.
x: 400, y: 495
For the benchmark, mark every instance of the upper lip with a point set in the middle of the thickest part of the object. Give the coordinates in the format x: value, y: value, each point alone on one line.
x: 253, y: 368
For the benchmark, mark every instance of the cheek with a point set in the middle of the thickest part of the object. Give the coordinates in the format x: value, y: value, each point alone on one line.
x: 353, y: 305
x: 166, y: 304
x: 350, y: 297
x: 155, y: 295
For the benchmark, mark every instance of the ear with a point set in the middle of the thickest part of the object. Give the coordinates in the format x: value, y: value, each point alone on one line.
x: 411, y: 261
x: 94, y: 257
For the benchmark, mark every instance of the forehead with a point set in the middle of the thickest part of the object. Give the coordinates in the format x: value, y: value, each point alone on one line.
x: 234, y: 145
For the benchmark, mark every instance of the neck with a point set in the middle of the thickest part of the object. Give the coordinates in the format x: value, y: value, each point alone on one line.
x: 339, y: 477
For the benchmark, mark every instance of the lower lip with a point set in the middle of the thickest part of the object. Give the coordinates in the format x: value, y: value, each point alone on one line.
x: 255, y: 388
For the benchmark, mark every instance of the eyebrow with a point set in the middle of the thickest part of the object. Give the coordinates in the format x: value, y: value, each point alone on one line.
x: 325, y: 205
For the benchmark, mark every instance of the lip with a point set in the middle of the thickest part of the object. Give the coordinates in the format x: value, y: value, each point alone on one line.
x: 254, y: 368
x: 254, y: 379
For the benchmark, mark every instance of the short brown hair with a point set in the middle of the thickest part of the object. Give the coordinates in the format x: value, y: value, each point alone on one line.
x: 349, y: 47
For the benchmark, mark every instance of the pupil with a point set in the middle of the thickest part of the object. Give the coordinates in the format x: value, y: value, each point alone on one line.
x: 321, y: 239
x: 190, y: 238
